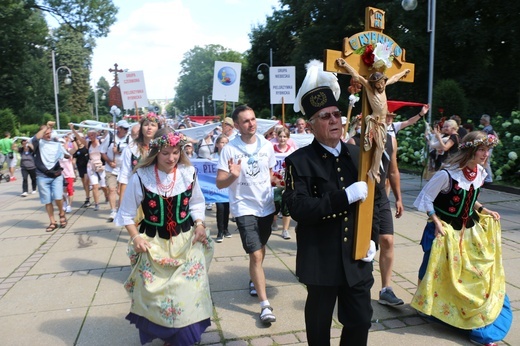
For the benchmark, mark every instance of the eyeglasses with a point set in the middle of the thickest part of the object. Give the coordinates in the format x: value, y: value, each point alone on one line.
x: 327, y: 115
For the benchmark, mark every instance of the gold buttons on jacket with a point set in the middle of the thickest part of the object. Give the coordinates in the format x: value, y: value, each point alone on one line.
x: 341, y: 178
x: 339, y: 169
x: 345, y: 239
x: 346, y: 219
x: 346, y: 229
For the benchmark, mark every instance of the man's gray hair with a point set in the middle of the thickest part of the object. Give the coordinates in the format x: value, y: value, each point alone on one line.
x: 486, y: 117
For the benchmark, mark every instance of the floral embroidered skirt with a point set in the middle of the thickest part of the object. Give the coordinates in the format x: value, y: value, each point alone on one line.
x: 464, y: 284
x: 169, y: 288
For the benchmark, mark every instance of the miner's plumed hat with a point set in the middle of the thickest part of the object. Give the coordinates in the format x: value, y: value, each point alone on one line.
x: 315, y: 77
x: 316, y: 99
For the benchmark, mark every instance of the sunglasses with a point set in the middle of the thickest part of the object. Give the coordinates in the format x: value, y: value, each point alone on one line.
x: 327, y: 115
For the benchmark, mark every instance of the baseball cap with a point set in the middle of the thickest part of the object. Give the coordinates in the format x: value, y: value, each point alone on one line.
x: 123, y: 123
x: 229, y: 121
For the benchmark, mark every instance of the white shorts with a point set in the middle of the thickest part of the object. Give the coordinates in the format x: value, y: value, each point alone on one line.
x: 96, y: 178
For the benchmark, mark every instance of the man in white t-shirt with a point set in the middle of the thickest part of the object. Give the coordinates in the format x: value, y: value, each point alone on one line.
x: 111, y: 149
x: 245, y: 168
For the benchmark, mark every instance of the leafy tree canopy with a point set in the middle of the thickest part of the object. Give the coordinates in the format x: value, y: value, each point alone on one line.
x: 90, y: 17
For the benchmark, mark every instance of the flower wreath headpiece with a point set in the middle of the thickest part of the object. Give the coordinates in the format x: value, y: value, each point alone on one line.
x: 489, y: 141
x: 169, y: 140
x: 153, y: 117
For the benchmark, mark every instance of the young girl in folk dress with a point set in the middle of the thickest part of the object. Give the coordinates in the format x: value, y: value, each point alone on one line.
x: 171, y: 252
x: 462, y: 279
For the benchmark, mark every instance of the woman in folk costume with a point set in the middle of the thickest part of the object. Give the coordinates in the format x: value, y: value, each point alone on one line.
x: 462, y: 279
x: 171, y: 252
x: 148, y: 126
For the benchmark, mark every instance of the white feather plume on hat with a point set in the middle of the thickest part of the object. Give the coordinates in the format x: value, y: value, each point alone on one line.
x: 314, y: 78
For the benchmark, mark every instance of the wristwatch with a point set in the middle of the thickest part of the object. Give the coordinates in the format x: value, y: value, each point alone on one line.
x: 198, y: 223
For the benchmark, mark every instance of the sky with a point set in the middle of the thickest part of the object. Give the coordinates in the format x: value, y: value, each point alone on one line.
x: 153, y: 36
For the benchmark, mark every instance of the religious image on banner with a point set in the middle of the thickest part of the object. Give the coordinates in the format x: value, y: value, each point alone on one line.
x: 226, y: 81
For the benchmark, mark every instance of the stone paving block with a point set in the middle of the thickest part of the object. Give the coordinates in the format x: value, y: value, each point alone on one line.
x: 395, y: 323
x: 262, y: 341
x: 210, y: 337
x: 285, y: 339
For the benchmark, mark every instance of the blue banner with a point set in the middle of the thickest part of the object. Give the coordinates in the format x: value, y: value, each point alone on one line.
x: 207, y: 175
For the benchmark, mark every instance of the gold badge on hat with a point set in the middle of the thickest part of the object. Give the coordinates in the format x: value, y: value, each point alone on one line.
x: 318, y: 100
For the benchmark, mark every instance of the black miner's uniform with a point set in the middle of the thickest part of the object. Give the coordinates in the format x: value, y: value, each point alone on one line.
x: 315, y: 195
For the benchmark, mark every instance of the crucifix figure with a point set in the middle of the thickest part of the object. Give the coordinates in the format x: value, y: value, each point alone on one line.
x: 367, y: 56
x: 375, y: 122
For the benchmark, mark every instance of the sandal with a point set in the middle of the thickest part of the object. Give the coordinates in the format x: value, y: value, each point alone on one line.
x: 252, y: 289
x: 63, y: 221
x: 266, y: 315
x: 51, y: 227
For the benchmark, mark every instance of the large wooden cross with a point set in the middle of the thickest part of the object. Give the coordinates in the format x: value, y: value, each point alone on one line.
x: 374, y: 107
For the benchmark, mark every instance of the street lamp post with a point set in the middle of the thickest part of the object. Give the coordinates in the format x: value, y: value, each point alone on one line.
x: 203, y: 106
x: 96, y: 99
x: 410, y: 5
x: 67, y: 81
x: 261, y: 76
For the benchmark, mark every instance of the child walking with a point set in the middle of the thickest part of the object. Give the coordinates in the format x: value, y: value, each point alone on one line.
x: 222, y: 207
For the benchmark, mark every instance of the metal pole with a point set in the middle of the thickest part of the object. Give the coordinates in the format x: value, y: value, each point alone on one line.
x: 96, y: 103
x: 431, y: 29
x: 203, y: 107
x: 271, y: 65
x: 56, y: 90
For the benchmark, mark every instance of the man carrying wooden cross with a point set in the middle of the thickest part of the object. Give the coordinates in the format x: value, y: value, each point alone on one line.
x: 323, y: 193
x: 375, y: 122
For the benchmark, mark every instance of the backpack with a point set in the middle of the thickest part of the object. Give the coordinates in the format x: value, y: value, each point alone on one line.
x: 111, y: 140
x: 82, y: 156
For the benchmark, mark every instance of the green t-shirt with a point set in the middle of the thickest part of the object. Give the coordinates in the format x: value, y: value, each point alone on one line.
x: 6, y: 145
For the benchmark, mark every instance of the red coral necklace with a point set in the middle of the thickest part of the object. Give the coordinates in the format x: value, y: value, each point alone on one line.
x: 469, y: 173
x: 164, y: 189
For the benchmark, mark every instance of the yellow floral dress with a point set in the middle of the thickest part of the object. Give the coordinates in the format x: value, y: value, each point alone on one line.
x: 464, y: 283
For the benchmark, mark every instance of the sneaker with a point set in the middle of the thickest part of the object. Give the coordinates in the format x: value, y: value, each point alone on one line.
x: 220, y: 238
x: 24, y: 194
x: 266, y: 315
x: 96, y: 207
x: 68, y: 209
x: 227, y: 234
x: 274, y: 226
x: 209, y: 206
x: 286, y: 234
x: 388, y: 298
x: 112, y: 216
x: 86, y: 204
x: 34, y: 191
x: 13, y: 178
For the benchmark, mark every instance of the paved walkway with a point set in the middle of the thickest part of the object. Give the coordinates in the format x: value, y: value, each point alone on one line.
x: 65, y: 288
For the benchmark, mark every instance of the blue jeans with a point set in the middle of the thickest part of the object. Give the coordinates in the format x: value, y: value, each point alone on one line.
x: 50, y: 189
